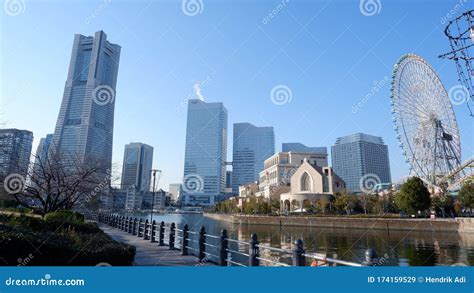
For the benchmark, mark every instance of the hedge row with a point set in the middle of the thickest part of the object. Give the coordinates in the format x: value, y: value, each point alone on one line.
x: 57, y: 242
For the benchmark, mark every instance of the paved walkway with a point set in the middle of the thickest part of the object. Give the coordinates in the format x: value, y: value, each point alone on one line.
x: 150, y: 254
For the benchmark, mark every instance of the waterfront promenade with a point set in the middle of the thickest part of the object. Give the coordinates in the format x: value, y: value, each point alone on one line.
x: 150, y: 254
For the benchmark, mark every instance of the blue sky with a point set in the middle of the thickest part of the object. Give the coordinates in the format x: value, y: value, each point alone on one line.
x: 328, y: 53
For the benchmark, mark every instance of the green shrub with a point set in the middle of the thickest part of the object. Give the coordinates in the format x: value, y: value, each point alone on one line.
x: 32, y: 223
x: 70, y: 247
x: 85, y: 228
x: 65, y: 216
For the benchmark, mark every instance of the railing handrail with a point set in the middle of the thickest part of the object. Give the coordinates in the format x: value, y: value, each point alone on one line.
x: 150, y: 230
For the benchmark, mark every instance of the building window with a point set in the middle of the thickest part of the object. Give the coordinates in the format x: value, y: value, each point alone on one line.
x: 305, y: 182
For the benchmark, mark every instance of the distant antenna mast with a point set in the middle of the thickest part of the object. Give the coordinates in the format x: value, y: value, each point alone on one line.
x: 460, y: 33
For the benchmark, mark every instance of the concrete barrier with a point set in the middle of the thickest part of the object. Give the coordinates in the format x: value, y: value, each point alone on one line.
x: 437, y: 225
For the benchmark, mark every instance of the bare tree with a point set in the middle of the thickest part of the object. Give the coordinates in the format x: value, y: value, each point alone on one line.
x: 62, y: 181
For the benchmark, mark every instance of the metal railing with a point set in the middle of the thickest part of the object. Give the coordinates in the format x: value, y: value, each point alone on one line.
x: 220, y: 252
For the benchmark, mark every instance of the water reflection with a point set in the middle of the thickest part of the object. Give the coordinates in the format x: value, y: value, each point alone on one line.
x: 397, y: 248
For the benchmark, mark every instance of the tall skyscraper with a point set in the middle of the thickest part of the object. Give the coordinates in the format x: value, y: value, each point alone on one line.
x: 252, y: 146
x: 358, y: 155
x: 86, y: 118
x: 41, y: 158
x: 43, y: 148
x: 205, y: 152
x: 137, y: 164
x: 15, y: 152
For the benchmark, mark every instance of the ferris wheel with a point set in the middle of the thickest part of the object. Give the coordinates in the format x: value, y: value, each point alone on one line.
x: 424, y: 120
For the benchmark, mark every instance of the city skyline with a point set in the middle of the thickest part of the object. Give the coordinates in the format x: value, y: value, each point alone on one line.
x: 365, y: 105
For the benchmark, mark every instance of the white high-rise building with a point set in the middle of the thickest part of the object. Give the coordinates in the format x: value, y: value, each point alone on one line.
x: 205, y: 153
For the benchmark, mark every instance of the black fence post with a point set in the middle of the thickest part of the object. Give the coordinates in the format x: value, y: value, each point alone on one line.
x: 371, y: 258
x: 299, y: 260
x: 162, y: 234
x: 254, y: 252
x: 140, y: 222
x: 123, y: 223
x: 146, y: 230
x: 153, y: 231
x: 130, y: 225
x: 224, y: 245
x: 135, y: 222
x: 202, y: 244
x: 172, y: 236
x: 185, y: 241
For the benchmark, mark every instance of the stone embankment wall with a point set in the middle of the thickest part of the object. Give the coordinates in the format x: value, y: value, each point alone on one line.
x: 437, y: 225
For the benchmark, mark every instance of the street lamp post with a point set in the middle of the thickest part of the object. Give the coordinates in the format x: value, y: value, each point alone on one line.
x: 153, y: 193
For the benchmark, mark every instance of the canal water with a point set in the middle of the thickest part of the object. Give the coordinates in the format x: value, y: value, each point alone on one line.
x: 394, y: 248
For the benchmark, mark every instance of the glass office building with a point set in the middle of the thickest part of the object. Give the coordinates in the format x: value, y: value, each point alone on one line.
x: 359, y: 154
x: 86, y: 118
x: 43, y: 148
x: 15, y: 152
x: 137, y: 165
x: 41, y: 155
x: 205, y: 153
x: 252, y: 146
